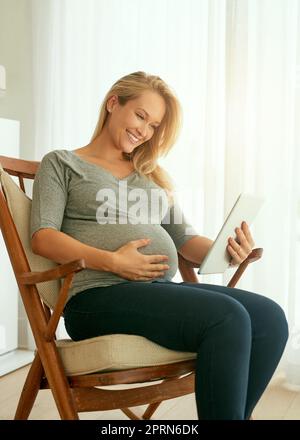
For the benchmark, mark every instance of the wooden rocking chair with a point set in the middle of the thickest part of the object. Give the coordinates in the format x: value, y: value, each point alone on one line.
x: 78, y: 372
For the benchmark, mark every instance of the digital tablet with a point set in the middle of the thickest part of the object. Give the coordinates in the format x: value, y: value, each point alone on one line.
x: 245, y: 209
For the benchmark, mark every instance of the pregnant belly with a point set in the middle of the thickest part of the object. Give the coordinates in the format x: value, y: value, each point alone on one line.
x: 111, y: 237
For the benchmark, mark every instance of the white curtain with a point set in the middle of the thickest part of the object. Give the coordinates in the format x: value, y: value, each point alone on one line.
x: 234, y: 66
x: 262, y: 145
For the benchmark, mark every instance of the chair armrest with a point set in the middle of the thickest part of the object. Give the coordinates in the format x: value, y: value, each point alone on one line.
x: 56, y: 273
x: 186, y: 267
x: 254, y: 256
x: 65, y: 271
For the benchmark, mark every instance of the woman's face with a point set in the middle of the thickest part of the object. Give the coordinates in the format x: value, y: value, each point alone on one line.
x: 135, y: 122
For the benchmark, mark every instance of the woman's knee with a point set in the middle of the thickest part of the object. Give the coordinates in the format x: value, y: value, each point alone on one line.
x: 232, y: 318
x: 218, y: 318
x: 239, y: 317
x: 267, y: 317
x: 278, y: 320
x: 271, y: 320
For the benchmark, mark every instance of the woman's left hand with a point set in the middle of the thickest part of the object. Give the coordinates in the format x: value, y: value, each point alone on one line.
x: 240, y: 250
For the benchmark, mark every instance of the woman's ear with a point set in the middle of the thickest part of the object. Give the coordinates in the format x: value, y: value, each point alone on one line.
x: 111, y: 102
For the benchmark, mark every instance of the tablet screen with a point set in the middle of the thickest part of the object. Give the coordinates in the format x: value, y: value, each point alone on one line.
x: 245, y: 209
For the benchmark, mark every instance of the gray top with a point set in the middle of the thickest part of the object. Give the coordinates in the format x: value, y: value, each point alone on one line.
x: 89, y: 203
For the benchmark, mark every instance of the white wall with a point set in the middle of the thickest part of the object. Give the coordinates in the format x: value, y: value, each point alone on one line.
x: 9, y: 292
x: 16, y: 56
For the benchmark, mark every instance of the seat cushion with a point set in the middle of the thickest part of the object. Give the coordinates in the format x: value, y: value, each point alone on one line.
x: 115, y: 352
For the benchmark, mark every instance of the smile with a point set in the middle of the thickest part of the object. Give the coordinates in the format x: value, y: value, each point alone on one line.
x: 132, y: 138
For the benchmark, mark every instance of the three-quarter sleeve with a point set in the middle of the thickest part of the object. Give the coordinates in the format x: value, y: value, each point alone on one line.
x: 177, y: 226
x: 49, y: 195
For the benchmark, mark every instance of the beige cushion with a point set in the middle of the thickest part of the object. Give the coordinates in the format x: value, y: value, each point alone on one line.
x: 115, y: 352
x: 103, y: 353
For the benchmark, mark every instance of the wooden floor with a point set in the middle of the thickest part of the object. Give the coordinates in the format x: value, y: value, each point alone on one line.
x: 277, y: 403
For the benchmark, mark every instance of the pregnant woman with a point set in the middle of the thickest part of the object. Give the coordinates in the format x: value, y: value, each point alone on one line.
x: 111, y: 204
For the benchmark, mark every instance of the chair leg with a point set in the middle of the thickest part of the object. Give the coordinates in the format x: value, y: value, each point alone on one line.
x: 58, y: 383
x: 153, y: 406
x: 150, y: 410
x: 130, y: 414
x: 30, y: 389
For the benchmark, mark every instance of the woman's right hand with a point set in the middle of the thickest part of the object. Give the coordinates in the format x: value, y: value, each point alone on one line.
x: 130, y: 264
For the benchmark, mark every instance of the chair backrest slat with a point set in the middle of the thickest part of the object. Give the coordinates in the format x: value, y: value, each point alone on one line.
x: 19, y: 167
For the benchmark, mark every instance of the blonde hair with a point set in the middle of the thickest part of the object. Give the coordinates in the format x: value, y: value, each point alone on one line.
x: 145, y: 156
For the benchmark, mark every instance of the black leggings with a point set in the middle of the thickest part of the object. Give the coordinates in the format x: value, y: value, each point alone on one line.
x: 238, y: 336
